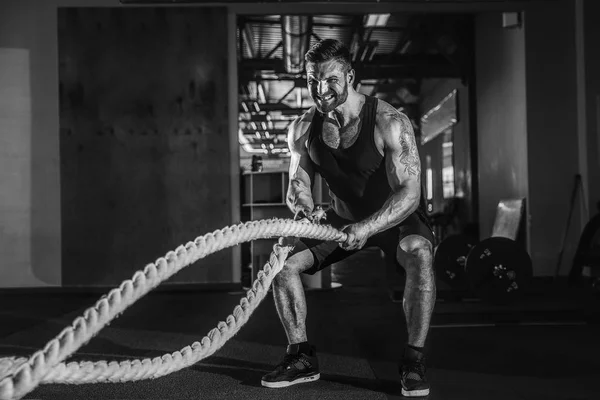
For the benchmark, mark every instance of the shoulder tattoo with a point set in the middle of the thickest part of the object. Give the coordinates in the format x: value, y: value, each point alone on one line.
x: 409, y: 157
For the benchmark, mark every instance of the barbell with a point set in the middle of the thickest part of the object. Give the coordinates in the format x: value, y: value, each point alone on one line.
x: 497, y: 269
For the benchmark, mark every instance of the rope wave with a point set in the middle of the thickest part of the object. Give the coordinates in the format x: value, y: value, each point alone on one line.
x: 19, y: 376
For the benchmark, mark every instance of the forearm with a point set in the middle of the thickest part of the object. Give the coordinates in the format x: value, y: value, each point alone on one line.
x: 396, y: 209
x: 299, y: 197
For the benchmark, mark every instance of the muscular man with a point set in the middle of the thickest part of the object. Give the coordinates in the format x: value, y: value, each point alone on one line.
x: 366, y: 152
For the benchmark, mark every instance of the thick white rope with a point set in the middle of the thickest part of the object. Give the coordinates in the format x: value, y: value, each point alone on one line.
x: 19, y: 376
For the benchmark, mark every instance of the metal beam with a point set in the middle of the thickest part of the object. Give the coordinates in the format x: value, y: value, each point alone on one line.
x: 274, y: 49
x: 329, y: 25
x: 277, y: 7
x: 305, y: 1
x: 272, y: 132
x: 278, y: 107
x: 407, y: 36
x: 283, y: 117
x: 382, y: 66
x: 287, y: 94
x: 408, y: 71
x: 248, y: 39
x: 261, y: 64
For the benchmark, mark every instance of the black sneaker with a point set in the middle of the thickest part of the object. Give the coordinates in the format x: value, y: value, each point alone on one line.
x: 412, y: 369
x: 295, y: 368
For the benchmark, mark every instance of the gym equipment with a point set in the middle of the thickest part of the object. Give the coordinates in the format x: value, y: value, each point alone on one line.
x: 497, y: 269
x: 450, y: 259
x: 20, y: 375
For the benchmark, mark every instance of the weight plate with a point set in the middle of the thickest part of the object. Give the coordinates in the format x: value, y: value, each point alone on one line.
x: 499, y: 270
x: 447, y: 260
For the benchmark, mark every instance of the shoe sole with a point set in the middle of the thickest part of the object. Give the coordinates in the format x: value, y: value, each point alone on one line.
x: 281, y: 384
x: 415, y: 393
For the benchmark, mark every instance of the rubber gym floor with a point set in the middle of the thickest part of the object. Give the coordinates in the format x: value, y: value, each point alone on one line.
x: 545, y: 347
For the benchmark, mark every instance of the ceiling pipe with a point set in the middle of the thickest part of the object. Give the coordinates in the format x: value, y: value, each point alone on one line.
x: 295, y: 32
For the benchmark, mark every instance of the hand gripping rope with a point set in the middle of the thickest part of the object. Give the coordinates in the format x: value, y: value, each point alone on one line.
x: 19, y: 376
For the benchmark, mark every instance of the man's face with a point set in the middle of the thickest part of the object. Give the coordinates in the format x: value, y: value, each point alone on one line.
x: 327, y: 84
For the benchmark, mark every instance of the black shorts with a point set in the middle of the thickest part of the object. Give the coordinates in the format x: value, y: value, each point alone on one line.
x: 327, y: 253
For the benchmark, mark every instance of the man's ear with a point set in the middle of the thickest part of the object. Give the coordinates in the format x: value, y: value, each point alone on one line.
x: 350, y: 76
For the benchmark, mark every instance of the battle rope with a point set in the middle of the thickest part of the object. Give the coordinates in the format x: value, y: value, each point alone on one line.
x: 19, y: 376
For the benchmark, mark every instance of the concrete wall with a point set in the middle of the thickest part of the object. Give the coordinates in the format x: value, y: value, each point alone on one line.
x: 590, y: 13
x: 143, y: 144
x: 29, y: 156
x: 501, y: 115
x: 528, y: 124
x: 15, y: 170
x: 30, y: 202
x: 552, y: 141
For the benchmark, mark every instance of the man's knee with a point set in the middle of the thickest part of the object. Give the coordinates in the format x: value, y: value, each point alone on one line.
x: 294, y: 266
x: 417, y: 247
x: 289, y: 269
x: 415, y: 254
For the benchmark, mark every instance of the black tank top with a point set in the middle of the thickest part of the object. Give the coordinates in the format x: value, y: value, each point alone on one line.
x: 356, y: 175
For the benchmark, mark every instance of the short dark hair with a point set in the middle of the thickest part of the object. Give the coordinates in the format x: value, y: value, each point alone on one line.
x: 327, y: 50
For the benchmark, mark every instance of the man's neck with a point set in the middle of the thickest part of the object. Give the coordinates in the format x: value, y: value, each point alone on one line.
x: 348, y: 111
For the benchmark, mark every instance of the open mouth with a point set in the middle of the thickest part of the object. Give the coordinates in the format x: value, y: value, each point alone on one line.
x: 326, y: 98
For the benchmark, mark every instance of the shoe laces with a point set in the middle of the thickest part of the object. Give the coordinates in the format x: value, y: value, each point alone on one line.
x: 414, y: 371
x: 289, y: 360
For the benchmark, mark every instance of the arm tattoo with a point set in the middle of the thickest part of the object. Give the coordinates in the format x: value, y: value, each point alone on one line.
x: 405, y: 196
x: 410, y: 155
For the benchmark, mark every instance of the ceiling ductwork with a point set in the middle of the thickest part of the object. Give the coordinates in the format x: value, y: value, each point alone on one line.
x: 295, y: 31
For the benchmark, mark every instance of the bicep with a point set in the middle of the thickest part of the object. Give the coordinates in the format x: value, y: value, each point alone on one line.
x: 402, y: 157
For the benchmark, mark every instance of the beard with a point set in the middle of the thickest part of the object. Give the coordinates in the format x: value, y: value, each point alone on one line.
x: 327, y: 106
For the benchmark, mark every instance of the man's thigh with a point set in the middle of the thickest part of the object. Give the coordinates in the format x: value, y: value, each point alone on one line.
x: 323, y: 253
x: 413, y: 227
